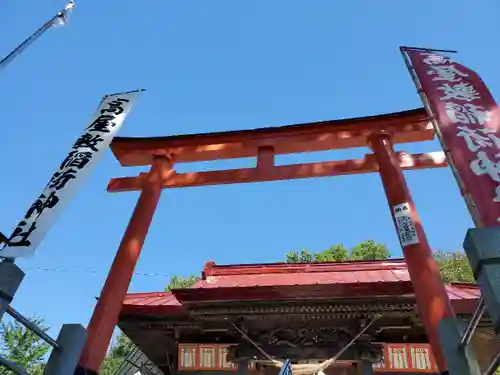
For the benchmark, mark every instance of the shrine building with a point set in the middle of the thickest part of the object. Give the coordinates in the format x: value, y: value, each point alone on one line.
x: 302, y: 312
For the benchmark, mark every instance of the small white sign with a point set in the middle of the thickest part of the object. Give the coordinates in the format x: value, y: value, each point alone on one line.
x: 405, y: 225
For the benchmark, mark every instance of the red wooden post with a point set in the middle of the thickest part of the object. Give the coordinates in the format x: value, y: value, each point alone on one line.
x: 109, y: 305
x: 432, y: 299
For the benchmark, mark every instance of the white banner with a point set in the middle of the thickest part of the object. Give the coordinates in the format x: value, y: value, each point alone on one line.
x: 85, y: 153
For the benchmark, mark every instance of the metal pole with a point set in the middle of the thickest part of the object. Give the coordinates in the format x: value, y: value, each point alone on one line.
x: 493, y: 365
x: 20, y: 48
x: 430, y: 49
x: 32, y: 327
x: 63, y: 361
x: 476, y: 317
x: 37, y: 34
x: 11, y: 277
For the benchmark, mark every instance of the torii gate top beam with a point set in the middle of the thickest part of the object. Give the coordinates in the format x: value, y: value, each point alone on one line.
x: 407, y: 126
x: 265, y: 143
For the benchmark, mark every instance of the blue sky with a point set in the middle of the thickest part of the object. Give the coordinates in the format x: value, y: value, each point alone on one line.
x: 214, y: 66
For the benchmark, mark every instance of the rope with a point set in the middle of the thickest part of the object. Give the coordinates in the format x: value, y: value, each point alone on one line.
x: 89, y: 272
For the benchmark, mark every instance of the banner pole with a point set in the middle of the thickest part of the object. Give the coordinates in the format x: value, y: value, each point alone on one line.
x: 33, y: 37
x: 428, y: 49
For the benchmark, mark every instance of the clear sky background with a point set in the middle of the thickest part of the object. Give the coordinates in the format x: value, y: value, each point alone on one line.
x: 213, y: 66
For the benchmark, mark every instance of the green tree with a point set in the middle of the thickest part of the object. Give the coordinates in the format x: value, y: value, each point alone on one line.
x: 336, y: 253
x: 180, y: 282
x: 454, y: 267
x: 303, y: 257
x: 369, y: 250
x: 24, y: 347
x: 110, y: 365
x: 117, y: 353
x: 292, y: 257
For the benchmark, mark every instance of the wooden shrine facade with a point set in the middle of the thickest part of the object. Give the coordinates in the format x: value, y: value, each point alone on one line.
x: 302, y: 312
x: 395, y: 358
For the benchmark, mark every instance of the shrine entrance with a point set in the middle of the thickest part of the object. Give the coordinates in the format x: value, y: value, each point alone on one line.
x: 305, y: 312
x: 379, y: 133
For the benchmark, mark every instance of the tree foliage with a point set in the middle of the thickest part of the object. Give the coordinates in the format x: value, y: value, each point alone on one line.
x: 368, y: 250
x: 454, y: 267
x: 117, y: 353
x: 181, y: 282
x: 24, y: 347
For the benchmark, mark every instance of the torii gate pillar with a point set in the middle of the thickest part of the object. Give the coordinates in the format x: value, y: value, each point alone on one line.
x: 432, y: 300
x: 107, y: 311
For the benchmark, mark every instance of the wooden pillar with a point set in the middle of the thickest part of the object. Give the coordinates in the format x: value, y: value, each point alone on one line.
x: 265, y: 161
x: 432, y: 300
x: 265, y: 157
x: 109, y: 305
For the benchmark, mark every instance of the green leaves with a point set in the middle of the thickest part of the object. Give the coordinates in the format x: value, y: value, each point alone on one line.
x: 368, y: 250
x: 180, y: 282
x: 116, y: 355
x: 24, y: 347
x: 453, y: 266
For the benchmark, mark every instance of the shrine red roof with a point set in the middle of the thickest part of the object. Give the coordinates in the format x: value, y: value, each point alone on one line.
x: 291, y: 281
x: 248, y: 275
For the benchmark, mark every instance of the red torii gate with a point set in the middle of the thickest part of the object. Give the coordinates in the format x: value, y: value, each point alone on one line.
x: 377, y: 132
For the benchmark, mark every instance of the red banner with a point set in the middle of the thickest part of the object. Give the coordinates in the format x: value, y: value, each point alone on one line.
x: 469, y: 122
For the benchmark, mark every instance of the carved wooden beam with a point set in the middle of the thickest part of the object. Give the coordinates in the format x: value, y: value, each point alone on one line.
x: 371, y: 352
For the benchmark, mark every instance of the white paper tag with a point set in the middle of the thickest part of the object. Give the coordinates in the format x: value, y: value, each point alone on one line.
x: 405, y: 225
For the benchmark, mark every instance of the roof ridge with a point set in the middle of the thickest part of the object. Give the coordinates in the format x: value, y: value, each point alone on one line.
x: 463, y: 284
x: 149, y: 294
x: 211, y: 269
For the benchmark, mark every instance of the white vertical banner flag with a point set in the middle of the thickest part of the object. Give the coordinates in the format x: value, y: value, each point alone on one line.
x: 85, y: 153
